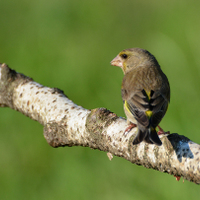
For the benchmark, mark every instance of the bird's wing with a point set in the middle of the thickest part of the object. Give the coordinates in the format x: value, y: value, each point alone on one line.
x: 159, y: 104
x: 137, y: 105
x: 148, y: 108
x: 145, y: 99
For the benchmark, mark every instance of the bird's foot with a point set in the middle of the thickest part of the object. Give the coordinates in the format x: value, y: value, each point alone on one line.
x: 129, y: 128
x: 161, y: 131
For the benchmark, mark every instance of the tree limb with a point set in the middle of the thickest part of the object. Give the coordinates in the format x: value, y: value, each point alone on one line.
x: 67, y: 124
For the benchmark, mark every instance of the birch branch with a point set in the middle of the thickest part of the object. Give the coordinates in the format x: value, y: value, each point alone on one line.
x: 67, y: 124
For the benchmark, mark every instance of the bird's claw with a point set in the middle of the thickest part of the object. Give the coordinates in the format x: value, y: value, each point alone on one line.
x: 129, y: 128
x: 161, y: 131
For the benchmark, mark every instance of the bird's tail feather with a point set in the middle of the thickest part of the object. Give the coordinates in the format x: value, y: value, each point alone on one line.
x: 153, y: 136
x: 148, y: 135
x: 139, y: 137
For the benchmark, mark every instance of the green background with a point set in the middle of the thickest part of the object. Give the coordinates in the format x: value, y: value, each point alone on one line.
x: 69, y: 45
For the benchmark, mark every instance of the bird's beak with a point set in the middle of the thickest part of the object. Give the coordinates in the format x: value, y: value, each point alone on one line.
x: 117, y: 61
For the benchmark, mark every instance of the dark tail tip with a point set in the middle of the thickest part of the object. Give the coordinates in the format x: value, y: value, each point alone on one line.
x: 139, y: 137
x: 153, y: 136
x: 150, y: 137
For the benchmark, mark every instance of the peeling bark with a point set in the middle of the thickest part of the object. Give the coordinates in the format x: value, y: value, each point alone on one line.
x: 67, y: 124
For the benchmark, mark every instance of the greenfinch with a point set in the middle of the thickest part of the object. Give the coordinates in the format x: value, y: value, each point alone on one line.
x: 145, y: 92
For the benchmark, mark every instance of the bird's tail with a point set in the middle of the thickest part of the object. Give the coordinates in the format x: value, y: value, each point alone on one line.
x: 148, y: 135
x: 153, y: 136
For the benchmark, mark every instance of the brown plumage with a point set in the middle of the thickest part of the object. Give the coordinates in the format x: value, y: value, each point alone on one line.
x: 145, y: 92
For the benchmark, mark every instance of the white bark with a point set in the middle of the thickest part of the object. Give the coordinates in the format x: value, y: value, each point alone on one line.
x: 67, y: 124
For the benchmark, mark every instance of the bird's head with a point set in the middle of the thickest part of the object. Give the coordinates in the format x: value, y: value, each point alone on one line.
x: 132, y: 58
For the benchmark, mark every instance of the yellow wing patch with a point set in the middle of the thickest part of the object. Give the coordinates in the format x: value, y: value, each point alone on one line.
x: 148, y: 113
x: 127, y: 106
x: 148, y: 94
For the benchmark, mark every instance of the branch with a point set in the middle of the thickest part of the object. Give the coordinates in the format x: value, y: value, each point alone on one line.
x: 67, y: 124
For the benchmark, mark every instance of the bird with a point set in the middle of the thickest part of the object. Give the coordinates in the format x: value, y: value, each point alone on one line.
x: 145, y: 93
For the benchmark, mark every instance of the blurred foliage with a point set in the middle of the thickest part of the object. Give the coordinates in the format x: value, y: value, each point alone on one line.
x: 68, y: 45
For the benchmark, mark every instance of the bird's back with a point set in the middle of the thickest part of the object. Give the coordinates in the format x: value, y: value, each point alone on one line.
x: 148, y: 79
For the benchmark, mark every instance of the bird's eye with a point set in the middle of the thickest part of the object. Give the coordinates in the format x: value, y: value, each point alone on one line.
x: 124, y: 56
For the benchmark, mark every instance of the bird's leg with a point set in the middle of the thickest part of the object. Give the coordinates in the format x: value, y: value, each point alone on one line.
x: 161, y: 131
x: 129, y: 128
